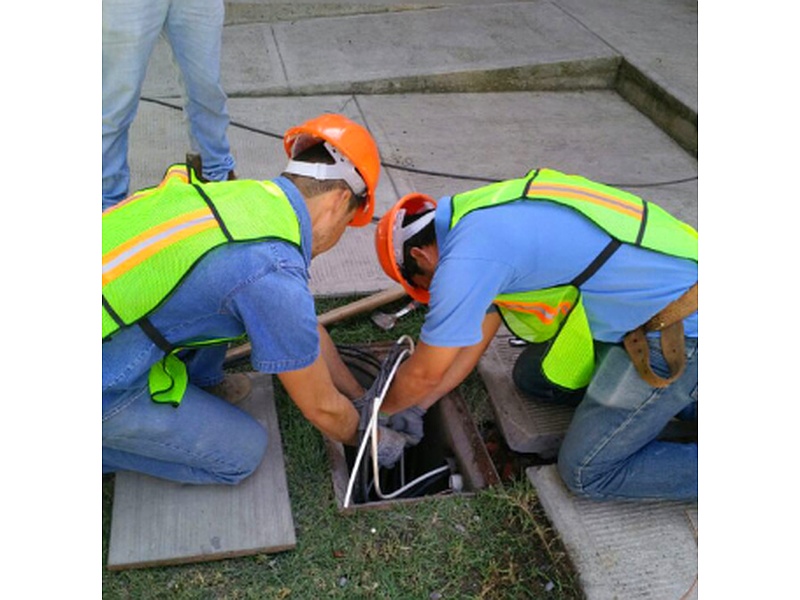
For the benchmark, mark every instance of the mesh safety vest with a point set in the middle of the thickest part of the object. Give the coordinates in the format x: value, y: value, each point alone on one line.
x: 152, y: 240
x: 556, y: 315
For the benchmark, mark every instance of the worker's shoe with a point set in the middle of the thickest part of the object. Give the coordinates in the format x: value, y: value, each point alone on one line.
x: 234, y: 388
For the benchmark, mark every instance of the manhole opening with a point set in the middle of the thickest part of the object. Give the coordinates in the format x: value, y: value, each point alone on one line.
x: 450, y: 459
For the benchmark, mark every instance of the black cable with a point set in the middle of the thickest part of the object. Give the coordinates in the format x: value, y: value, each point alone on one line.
x: 361, y: 354
x: 423, y: 171
x: 232, y: 123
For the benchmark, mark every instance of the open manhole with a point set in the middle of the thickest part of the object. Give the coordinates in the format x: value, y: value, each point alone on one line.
x: 450, y: 459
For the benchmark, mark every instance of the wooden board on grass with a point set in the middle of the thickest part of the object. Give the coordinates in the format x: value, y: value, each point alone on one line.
x: 157, y: 522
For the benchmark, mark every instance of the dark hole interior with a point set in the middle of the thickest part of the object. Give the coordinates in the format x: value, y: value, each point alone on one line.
x: 419, y: 462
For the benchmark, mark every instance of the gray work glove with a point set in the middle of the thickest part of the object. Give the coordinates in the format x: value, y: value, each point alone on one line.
x: 408, y: 422
x: 391, y: 445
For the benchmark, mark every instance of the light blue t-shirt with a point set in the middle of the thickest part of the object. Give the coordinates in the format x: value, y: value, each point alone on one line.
x: 525, y: 246
x: 258, y: 288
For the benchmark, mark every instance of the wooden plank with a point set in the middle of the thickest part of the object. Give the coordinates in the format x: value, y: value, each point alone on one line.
x: 157, y: 522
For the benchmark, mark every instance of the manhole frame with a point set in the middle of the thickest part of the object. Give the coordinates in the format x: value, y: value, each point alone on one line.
x: 459, y: 434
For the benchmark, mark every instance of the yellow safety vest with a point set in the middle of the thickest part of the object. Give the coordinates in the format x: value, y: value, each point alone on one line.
x: 556, y: 315
x: 152, y: 240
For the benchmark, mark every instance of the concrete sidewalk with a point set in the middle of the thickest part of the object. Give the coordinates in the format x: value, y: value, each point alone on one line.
x: 452, y: 91
x: 467, y: 89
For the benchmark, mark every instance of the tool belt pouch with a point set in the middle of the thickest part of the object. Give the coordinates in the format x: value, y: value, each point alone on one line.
x: 670, y: 323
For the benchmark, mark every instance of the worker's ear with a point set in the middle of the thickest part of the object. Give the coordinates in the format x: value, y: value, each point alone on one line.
x: 341, y: 200
x: 426, y: 257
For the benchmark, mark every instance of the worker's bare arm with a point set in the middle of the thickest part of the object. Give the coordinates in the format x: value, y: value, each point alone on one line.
x: 343, y: 378
x: 433, y: 371
x: 314, y: 393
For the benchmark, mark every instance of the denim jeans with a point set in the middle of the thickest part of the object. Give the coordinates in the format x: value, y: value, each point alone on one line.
x: 611, y: 448
x: 260, y: 289
x: 204, y: 440
x: 193, y: 29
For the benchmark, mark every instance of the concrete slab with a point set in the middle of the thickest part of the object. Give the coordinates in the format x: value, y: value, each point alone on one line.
x: 658, y: 41
x: 453, y: 49
x: 495, y: 135
x: 309, y: 48
x: 250, y: 64
x: 157, y: 522
x: 528, y: 426
x: 503, y: 135
x: 658, y: 37
x: 252, y: 11
x: 445, y: 50
x: 621, y: 549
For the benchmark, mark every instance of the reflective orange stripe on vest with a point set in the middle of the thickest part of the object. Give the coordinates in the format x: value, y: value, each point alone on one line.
x: 546, y: 313
x: 126, y: 256
x: 593, y: 196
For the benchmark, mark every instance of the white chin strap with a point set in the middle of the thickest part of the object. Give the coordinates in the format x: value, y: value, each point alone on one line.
x: 402, y: 234
x: 342, y: 168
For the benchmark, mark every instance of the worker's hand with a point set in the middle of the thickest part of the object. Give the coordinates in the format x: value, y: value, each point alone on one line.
x: 391, y: 445
x: 408, y: 422
x: 364, y: 406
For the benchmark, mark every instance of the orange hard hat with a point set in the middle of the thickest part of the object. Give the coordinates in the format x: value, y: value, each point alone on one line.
x: 352, y: 147
x: 390, y: 236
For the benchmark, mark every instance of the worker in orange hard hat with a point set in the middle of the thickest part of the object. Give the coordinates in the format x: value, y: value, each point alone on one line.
x: 355, y: 158
x: 599, y: 284
x: 189, y: 266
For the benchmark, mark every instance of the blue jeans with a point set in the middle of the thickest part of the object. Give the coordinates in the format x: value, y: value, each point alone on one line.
x: 130, y: 31
x: 611, y: 448
x: 204, y: 440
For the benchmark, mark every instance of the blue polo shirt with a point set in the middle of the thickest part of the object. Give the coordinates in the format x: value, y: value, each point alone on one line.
x: 257, y: 288
x: 524, y: 246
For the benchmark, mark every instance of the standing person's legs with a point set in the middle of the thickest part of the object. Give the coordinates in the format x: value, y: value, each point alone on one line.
x: 130, y: 32
x: 194, y: 31
x: 203, y: 440
x: 611, y: 450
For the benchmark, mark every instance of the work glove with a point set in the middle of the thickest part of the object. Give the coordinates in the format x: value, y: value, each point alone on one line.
x: 408, y: 422
x: 391, y: 445
x: 364, y: 406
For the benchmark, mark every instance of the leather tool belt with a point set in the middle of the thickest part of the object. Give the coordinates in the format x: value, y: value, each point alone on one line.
x: 669, y: 322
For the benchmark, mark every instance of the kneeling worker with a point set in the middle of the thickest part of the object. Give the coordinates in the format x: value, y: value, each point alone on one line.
x: 601, y: 283
x: 189, y: 266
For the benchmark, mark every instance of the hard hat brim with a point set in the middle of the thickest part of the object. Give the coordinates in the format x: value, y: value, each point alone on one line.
x: 385, y: 241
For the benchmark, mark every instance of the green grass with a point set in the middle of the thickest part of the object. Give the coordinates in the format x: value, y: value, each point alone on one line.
x: 494, y: 544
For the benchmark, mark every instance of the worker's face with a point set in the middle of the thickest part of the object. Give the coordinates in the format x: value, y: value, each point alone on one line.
x: 422, y: 281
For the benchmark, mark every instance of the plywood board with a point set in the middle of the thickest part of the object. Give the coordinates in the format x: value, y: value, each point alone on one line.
x: 157, y: 522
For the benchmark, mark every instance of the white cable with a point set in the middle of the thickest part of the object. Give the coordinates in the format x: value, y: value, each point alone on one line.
x: 372, y: 427
x: 372, y: 435
x: 410, y: 485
